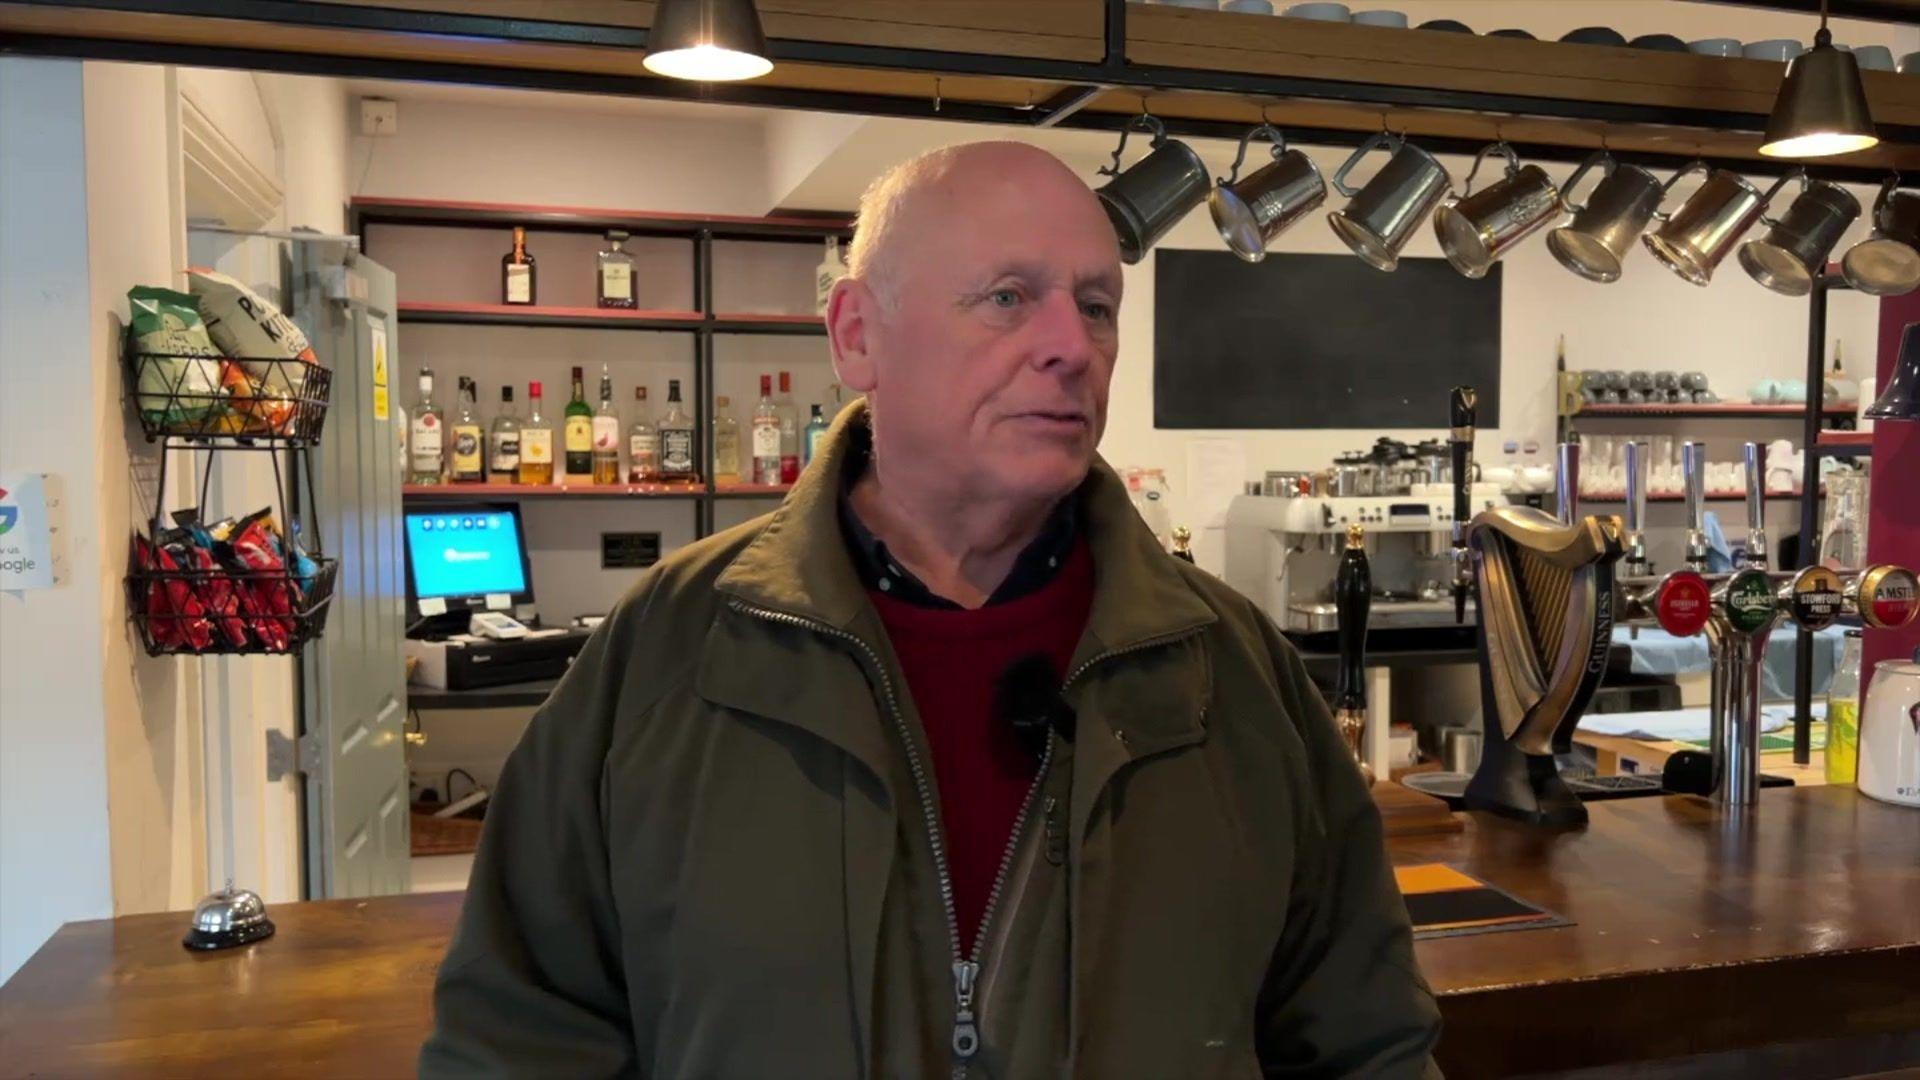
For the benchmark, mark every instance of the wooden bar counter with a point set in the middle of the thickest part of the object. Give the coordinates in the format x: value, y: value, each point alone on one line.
x: 1796, y: 929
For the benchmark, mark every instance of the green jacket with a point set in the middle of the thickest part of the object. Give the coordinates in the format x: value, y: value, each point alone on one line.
x: 710, y: 854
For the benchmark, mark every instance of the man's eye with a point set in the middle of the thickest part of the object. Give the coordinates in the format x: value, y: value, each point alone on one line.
x: 1004, y: 298
x: 1097, y: 311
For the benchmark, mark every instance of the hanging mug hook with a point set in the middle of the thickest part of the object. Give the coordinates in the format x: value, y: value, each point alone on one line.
x: 1144, y: 122
x: 1501, y: 148
x: 1273, y: 135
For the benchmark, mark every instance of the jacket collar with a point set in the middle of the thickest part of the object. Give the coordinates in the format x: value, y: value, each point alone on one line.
x: 798, y: 564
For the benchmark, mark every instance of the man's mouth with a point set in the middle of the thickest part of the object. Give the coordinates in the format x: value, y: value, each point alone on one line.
x: 1056, y: 418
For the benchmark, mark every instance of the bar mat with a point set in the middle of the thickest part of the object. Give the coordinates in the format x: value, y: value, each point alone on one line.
x: 1444, y: 902
x: 1780, y: 742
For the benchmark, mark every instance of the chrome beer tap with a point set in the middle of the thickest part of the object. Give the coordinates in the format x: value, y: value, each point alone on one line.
x: 1680, y: 601
x: 1566, y: 483
x: 1756, y: 464
x: 1693, y: 468
x: 1634, y: 563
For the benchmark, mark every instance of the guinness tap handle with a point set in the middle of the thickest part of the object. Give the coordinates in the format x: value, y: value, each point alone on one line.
x: 1463, y: 408
x: 1352, y: 595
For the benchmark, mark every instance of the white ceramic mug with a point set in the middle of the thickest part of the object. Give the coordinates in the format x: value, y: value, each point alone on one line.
x: 1718, y: 46
x: 1321, y: 12
x: 1779, y: 50
x: 1873, y: 57
x: 1396, y: 20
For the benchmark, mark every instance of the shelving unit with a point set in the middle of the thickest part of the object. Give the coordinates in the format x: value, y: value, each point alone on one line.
x: 1726, y: 410
x: 465, y: 492
x: 702, y: 321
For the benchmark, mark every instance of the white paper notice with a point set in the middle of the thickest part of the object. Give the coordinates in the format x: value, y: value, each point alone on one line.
x: 26, y: 546
x: 433, y: 605
x: 499, y: 601
x: 1216, y: 472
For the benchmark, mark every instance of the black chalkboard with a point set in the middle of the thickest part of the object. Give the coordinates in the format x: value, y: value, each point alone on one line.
x: 1319, y: 341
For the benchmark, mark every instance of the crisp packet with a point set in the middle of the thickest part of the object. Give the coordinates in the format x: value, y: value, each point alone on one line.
x: 177, y: 366
x: 262, y: 340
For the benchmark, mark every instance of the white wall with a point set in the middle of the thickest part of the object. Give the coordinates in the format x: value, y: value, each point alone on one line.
x: 504, y: 152
x: 55, y: 857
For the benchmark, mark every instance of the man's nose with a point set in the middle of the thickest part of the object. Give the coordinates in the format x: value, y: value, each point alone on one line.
x: 1063, y: 340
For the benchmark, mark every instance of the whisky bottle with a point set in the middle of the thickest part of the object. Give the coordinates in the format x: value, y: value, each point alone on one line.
x: 467, y: 464
x: 536, y: 442
x: 606, y: 434
x: 618, y: 287
x: 766, y: 435
x: 579, y: 433
x: 503, y: 442
x: 726, y: 442
x: 425, y: 432
x: 643, y: 443
x: 516, y: 272
x: 676, y: 439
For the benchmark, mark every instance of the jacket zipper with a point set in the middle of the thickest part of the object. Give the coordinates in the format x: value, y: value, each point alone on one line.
x: 966, y: 969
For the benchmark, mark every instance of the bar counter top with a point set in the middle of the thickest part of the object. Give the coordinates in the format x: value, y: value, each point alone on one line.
x: 1794, y: 928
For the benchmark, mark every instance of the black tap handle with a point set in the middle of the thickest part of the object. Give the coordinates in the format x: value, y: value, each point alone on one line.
x: 1352, y: 595
x: 1463, y: 409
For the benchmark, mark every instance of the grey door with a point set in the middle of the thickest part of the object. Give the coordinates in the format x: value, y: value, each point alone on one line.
x: 353, y: 681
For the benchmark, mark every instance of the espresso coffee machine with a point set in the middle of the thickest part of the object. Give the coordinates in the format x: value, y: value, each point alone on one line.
x: 1283, y: 552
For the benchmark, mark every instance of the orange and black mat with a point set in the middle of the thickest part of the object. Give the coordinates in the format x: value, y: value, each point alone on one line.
x: 1445, y: 902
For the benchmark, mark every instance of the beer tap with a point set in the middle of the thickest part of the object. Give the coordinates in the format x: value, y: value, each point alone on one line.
x: 1566, y: 483
x: 1756, y: 463
x: 1680, y: 602
x: 1634, y: 564
x: 1352, y: 596
x: 1463, y: 408
x: 1693, y: 468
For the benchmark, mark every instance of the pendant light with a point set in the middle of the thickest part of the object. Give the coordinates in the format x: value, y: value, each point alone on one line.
x: 707, y: 41
x: 1822, y: 108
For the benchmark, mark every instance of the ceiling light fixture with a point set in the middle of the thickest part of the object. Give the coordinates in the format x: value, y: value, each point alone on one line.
x: 707, y: 41
x: 1822, y: 108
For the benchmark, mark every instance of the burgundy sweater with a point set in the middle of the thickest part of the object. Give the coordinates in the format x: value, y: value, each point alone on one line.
x: 952, y: 659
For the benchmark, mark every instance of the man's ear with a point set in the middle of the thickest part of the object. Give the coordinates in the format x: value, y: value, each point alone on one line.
x: 852, y: 316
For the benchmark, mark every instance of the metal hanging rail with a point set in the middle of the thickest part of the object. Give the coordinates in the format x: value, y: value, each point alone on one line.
x: 1084, y: 80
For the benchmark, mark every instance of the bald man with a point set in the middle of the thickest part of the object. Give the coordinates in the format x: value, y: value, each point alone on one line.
x: 943, y: 767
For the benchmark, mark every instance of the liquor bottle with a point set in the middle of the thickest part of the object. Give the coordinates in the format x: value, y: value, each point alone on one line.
x: 830, y: 270
x: 618, y: 287
x: 643, y: 443
x: 726, y: 442
x: 468, y: 459
x: 516, y: 272
x: 766, y: 436
x: 816, y: 433
x: 676, y: 439
x: 424, y: 435
x: 536, y: 442
x: 789, y: 431
x: 606, y: 434
x: 503, y: 442
x: 579, y: 433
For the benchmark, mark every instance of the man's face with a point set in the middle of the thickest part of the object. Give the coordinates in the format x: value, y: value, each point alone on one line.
x: 992, y: 364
